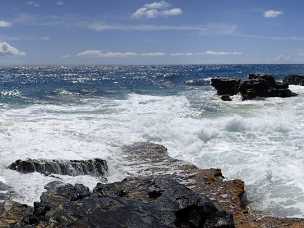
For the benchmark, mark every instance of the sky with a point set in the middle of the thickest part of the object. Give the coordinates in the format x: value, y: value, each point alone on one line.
x: 151, y: 32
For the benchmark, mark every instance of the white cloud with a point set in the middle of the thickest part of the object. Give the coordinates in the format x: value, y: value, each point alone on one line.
x: 5, y: 24
x: 110, y: 54
x: 33, y: 3
x: 272, y: 13
x: 209, y: 52
x: 157, y: 9
x: 60, y: 3
x: 8, y: 50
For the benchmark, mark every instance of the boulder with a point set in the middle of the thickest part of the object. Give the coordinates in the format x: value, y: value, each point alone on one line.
x: 226, y: 86
x: 198, y: 82
x: 135, y: 202
x: 294, y: 80
x: 226, y: 98
x: 94, y: 167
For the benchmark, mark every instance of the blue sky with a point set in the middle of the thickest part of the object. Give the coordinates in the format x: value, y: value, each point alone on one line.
x: 151, y: 32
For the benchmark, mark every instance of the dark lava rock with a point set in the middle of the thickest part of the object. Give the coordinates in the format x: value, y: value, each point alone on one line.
x: 136, y: 202
x: 225, y: 86
x: 226, y: 98
x: 198, y: 82
x: 294, y: 80
x: 268, y: 79
x: 255, y: 86
x: 263, y: 86
x: 95, y: 167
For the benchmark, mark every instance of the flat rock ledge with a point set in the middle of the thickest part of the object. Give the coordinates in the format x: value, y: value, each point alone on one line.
x: 93, y: 167
x: 183, y: 196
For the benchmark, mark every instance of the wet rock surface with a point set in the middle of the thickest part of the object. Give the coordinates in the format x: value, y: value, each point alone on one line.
x: 253, y: 87
x: 263, y: 86
x: 294, y: 80
x: 226, y: 86
x: 134, y: 202
x: 94, y: 167
x: 226, y: 98
x: 230, y: 195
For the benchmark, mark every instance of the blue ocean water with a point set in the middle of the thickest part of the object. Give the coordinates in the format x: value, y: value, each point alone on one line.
x: 81, y: 112
x: 44, y: 83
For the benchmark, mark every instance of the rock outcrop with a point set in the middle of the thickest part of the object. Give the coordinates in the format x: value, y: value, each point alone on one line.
x: 294, y: 80
x: 94, y: 167
x: 263, y: 86
x: 226, y: 86
x: 253, y: 87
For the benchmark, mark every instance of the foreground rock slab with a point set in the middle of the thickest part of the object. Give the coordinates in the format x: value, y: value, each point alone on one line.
x: 94, y: 167
x: 230, y: 195
x: 135, y: 202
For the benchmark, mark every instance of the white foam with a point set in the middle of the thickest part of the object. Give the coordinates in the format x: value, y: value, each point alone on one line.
x: 257, y: 141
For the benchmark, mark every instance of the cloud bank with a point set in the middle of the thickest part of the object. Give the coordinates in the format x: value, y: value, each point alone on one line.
x: 209, y: 28
x: 111, y: 54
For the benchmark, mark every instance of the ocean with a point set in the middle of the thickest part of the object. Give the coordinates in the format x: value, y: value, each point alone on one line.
x: 83, y: 112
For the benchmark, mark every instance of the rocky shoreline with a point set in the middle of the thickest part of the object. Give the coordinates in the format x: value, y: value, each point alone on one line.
x: 255, y: 86
x: 166, y: 193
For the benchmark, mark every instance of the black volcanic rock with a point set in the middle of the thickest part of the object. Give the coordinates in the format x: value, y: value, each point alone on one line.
x: 225, y: 86
x: 255, y: 86
x: 263, y: 86
x: 294, y: 80
x: 226, y: 98
x: 94, y: 167
x: 267, y: 79
x: 136, y: 202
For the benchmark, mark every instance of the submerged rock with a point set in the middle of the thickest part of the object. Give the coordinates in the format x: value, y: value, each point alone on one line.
x: 226, y: 86
x: 134, y: 202
x: 198, y: 82
x: 294, y: 80
x: 94, y: 167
